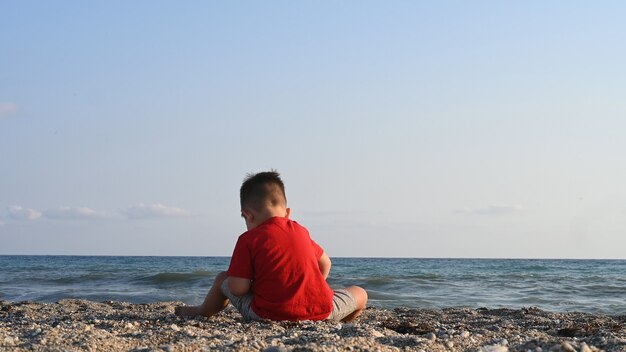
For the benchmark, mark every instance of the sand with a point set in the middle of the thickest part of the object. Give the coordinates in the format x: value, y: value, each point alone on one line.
x: 80, y: 325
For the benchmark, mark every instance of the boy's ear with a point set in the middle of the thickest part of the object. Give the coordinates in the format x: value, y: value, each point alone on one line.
x: 248, y: 215
x: 288, y: 213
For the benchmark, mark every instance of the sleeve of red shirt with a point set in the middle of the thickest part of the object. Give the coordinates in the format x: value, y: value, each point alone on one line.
x: 241, y: 261
x: 318, y: 250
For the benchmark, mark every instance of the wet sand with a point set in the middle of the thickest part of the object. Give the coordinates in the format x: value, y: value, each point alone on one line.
x: 80, y: 325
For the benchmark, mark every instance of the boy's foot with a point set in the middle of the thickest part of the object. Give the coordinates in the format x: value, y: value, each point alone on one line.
x: 186, y: 311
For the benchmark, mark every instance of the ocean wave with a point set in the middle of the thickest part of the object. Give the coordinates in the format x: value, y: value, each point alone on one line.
x: 385, y: 296
x: 174, y: 278
x: 394, y: 279
x: 77, y: 279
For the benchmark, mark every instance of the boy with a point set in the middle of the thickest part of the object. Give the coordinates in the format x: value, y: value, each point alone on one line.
x: 277, y: 271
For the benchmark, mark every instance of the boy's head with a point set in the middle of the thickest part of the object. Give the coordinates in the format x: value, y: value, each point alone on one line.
x: 262, y: 196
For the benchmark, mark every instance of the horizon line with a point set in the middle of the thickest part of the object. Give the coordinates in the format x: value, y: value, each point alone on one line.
x: 337, y: 257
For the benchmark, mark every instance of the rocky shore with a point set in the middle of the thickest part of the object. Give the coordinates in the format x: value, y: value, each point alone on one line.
x: 79, y: 325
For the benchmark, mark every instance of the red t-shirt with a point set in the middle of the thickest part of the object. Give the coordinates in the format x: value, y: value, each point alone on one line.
x: 280, y: 258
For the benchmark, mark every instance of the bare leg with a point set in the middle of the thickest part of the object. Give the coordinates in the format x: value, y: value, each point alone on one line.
x: 214, y: 302
x: 360, y: 295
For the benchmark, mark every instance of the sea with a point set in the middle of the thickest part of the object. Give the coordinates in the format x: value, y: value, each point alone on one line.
x: 592, y: 286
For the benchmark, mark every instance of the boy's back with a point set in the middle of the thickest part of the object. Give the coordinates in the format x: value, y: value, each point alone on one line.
x: 281, y: 259
x: 277, y: 271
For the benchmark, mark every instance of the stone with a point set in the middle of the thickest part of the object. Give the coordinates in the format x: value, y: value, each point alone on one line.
x: 8, y: 341
x: 275, y: 349
x: 256, y: 345
x: 465, y: 334
x: 449, y: 344
x: 167, y: 348
x: 584, y: 348
x: 376, y: 333
x: 494, y: 348
x: 174, y: 327
x: 431, y: 336
x: 567, y: 347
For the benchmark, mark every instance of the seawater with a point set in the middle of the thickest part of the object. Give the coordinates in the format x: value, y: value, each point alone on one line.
x: 594, y: 286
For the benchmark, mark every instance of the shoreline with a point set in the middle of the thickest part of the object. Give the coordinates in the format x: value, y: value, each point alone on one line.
x: 74, y: 324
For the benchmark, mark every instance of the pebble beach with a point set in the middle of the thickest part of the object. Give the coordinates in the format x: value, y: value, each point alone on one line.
x: 81, y: 325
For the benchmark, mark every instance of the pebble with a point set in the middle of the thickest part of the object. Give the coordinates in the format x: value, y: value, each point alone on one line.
x: 494, y: 348
x: 275, y: 349
x: 600, y: 340
x: 567, y: 347
x: 256, y: 345
x: 376, y: 333
x: 8, y: 341
x: 377, y: 330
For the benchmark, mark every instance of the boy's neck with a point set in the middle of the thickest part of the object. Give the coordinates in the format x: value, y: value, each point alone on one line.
x: 262, y: 215
x: 271, y: 212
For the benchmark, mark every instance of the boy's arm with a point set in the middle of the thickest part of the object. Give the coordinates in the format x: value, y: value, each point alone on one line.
x: 240, y: 268
x: 324, y: 264
x: 238, y: 286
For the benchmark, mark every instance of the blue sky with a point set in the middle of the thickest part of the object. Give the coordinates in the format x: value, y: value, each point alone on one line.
x: 412, y: 129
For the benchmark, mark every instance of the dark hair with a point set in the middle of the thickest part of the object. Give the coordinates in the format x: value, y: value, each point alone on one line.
x: 262, y: 187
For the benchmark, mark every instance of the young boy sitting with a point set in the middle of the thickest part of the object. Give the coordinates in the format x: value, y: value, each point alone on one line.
x: 277, y: 271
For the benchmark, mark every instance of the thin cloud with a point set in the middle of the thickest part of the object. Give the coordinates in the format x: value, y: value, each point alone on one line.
x: 79, y: 213
x: 7, y: 109
x: 495, y: 209
x: 339, y: 213
x: 18, y: 212
x: 156, y: 210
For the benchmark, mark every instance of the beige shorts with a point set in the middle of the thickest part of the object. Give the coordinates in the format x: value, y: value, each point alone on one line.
x: 343, y: 304
x: 242, y: 303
